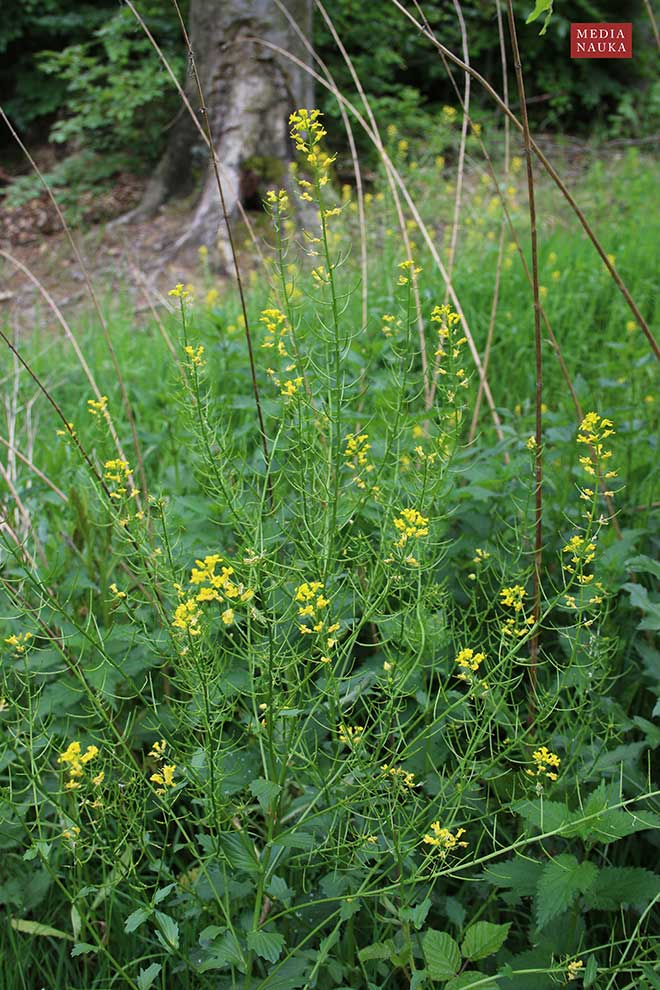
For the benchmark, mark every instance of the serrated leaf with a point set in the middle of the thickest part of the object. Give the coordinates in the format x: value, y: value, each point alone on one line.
x: 266, y: 945
x: 135, y: 919
x: 266, y: 793
x: 161, y: 894
x: 239, y: 852
x: 562, y: 879
x: 441, y: 953
x: 147, y: 976
x: 620, y: 886
x: 483, y: 939
x: 36, y: 928
x: 168, y: 928
x: 83, y: 949
x: 416, y: 915
x: 545, y: 816
x: 279, y: 889
x: 377, y: 950
x: 521, y: 874
x: 470, y: 979
x: 225, y: 952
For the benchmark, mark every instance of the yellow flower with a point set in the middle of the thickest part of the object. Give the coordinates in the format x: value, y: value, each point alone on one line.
x: 158, y: 749
x: 470, y: 660
x: 350, y: 735
x: 513, y: 597
x: 444, y: 840
x: 543, y: 760
x: 181, y: 291
x: 116, y: 592
x: 19, y: 642
x: 195, y: 354
x: 411, y: 525
x: 574, y: 969
x: 96, y: 408
x: 228, y: 616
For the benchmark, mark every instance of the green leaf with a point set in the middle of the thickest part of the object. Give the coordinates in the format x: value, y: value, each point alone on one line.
x: 239, y: 852
x: 442, y: 955
x: 83, y: 949
x: 378, y: 950
x: 542, y: 7
x: 562, y: 879
x: 472, y: 978
x: 169, y: 930
x: 266, y: 945
x: 616, y: 886
x: 266, y: 793
x: 545, y: 816
x: 482, y: 939
x: 36, y: 928
x: 135, y: 919
x: 416, y: 915
x: 590, y: 971
x: 225, y: 952
x: 147, y: 976
x: 521, y: 874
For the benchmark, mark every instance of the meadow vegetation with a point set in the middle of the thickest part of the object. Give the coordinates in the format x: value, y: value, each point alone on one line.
x: 281, y: 705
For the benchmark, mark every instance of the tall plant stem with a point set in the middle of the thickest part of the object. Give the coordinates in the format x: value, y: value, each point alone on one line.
x: 538, y: 436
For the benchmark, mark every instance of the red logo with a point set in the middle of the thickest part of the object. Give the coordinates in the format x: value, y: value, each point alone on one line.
x: 601, y: 40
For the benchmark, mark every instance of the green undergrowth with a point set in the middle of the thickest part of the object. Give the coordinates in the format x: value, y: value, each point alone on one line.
x: 274, y: 721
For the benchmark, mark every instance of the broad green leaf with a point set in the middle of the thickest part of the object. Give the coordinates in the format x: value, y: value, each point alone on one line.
x: 590, y: 972
x: 562, y: 879
x: 168, y: 928
x: 135, y: 919
x: 83, y: 949
x: 378, y: 950
x: 521, y: 874
x: 36, y: 928
x: 239, y: 852
x: 542, y: 7
x: 619, y: 886
x: 266, y: 945
x: 147, y: 976
x: 545, y: 816
x: 483, y: 939
x: 416, y: 915
x: 472, y: 979
x: 266, y: 793
x: 161, y: 894
x: 442, y: 955
x: 224, y: 952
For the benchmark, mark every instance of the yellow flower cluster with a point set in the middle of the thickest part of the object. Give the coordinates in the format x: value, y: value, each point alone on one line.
x: 350, y: 735
x: 118, y: 472
x: 514, y: 597
x: 444, y: 840
x: 195, y: 354
x: 582, y: 553
x: 307, y: 132
x: 400, y: 775
x: 449, y: 113
x: 75, y: 761
x: 574, y: 970
x: 356, y: 454
x: 181, y: 291
x: 312, y: 602
x: 19, y: 642
x: 594, y: 429
x: 164, y: 776
x: 96, y: 408
x: 408, y: 270
x: 279, y: 200
x: 543, y: 760
x: 390, y: 324
x: 213, y: 587
x: 277, y: 326
x: 448, y: 352
x: 411, y: 525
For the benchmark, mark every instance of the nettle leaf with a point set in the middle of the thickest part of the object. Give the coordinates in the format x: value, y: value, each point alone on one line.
x: 521, y: 874
x: 616, y: 886
x: 442, y: 955
x: 266, y: 945
x: 266, y: 793
x: 545, y: 816
x: 472, y: 978
x: 542, y: 7
x: 562, y: 879
x: 483, y: 939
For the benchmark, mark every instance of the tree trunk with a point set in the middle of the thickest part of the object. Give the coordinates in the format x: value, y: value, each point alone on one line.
x: 249, y: 92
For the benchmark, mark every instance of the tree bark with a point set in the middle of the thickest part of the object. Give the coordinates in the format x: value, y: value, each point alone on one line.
x: 249, y: 91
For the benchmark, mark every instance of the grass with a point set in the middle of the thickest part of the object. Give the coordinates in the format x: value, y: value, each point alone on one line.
x: 284, y: 855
